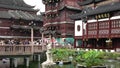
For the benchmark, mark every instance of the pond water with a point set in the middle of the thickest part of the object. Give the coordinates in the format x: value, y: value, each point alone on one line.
x: 65, y: 66
x: 108, y: 63
x: 112, y: 63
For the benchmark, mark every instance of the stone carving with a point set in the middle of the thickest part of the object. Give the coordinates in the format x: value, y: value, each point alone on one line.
x: 49, y: 62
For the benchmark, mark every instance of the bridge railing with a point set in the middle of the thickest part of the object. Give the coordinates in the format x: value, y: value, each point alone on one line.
x: 6, y: 50
x: 15, y: 50
x: 37, y: 48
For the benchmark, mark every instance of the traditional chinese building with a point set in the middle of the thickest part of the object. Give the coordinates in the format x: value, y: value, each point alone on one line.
x: 57, y: 18
x: 98, y: 24
x: 15, y: 19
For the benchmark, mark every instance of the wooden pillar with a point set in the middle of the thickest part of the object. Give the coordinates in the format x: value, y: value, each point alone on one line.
x: 32, y: 40
x: 97, y: 37
x: 109, y: 28
x: 75, y: 43
x: 11, y: 63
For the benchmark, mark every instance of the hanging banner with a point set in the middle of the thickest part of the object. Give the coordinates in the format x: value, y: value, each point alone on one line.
x: 78, y: 28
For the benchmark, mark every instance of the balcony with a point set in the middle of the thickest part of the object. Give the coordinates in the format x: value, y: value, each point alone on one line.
x: 104, y: 29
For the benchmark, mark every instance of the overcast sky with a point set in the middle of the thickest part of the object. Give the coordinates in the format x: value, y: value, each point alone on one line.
x: 37, y: 3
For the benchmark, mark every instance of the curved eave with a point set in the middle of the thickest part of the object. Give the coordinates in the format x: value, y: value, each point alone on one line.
x: 89, y: 2
x: 104, y: 9
x: 70, y: 8
x: 19, y: 15
x: 97, y: 1
x: 16, y: 7
x: 77, y: 16
x: 98, y: 10
x: 24, y: 27
x: 16, y: 4
x: 85, y: 2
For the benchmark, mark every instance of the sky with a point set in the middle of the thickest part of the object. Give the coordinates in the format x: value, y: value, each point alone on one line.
x: 37, y: 3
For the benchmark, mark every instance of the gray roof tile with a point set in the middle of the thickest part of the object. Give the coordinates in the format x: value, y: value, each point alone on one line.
x: 16, y: 4
x: 98, y: 10
x: 86, y: 2
x: 19, y: 15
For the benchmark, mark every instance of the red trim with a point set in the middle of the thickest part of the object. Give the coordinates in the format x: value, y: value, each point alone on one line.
x: 97, y: 29
x: 74, y: 43
x: 109, y: 28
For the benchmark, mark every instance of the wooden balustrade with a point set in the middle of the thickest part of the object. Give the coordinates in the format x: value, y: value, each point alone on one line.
x: 37, y: 48
x: 17, y: 50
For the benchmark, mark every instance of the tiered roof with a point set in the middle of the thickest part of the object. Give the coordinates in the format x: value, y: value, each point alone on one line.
x: 19, y: 15
x: 86, y: 2
x: 70, y: 7
x: 98, y: 10
x: 16, y: 4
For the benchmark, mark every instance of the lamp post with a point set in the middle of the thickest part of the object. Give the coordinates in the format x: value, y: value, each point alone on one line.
x: 32, y: 24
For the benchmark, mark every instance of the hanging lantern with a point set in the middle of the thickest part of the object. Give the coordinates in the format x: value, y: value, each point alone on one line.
x: 97, y: 39
x: 108, y: 14
x: 105, y: 15
x: 102, y: 15
x: 109, y: 42
x: 99, y: 16
x: 96, y: 17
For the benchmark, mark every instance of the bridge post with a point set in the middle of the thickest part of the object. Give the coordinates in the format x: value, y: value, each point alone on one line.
x: 15, y: 62
x: 39, y: 58
x: 11, y: 63
x: 27, y: 62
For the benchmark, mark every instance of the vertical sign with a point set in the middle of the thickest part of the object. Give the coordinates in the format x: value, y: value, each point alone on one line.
x: 78, y: 28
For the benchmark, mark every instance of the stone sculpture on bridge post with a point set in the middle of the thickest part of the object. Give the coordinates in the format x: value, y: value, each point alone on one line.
x: 49, y: 62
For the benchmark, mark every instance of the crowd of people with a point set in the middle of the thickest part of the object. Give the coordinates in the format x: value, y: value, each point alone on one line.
x: 20, y: 42
x: 44, y: 41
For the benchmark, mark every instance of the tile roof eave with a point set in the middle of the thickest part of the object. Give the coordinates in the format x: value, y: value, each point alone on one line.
x: 111, y: 8
x: 19, y: 15
x: 17, y: 8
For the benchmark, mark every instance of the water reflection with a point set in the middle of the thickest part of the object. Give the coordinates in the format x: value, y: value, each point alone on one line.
x: 65, y: 66
x: 39, y: 65
x: 108, y: 63
x: 112, y: 63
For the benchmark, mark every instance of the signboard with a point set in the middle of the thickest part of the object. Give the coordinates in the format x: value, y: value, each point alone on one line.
x: 78, y: 28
